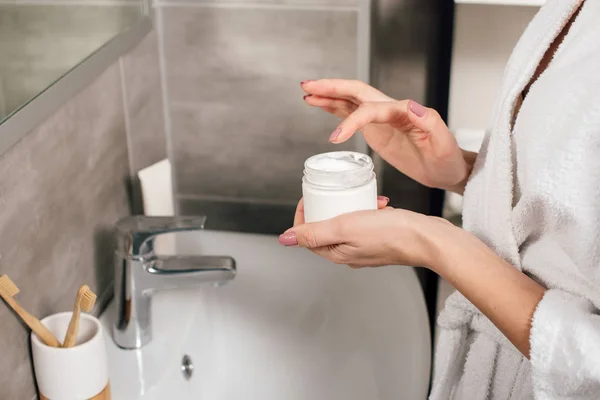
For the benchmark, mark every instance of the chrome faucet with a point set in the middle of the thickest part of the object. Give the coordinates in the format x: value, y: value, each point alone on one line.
x: 139, y: 272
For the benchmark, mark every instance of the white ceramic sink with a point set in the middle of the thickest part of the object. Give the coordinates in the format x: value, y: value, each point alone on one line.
x: 291, y: 326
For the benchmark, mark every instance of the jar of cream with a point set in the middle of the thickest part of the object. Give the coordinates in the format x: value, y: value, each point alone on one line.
x: 337, y: 183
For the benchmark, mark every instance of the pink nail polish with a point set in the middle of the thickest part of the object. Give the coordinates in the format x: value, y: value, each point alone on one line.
x: 417, y: 109
x: 288, y: 239
x: 383, y: 198
x: 335, y: 134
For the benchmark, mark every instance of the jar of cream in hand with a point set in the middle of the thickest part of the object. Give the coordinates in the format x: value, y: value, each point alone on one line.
x: 337, y: 183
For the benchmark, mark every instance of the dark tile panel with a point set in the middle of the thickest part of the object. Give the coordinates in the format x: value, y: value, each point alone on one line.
x: 240, y: 217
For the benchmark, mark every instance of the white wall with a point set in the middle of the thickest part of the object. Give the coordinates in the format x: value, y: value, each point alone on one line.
x: 483, y: 41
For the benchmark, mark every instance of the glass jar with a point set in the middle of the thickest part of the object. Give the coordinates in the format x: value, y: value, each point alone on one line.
x: 337, y: 183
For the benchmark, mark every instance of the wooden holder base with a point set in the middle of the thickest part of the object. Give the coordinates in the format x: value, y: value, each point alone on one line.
x: 103, y: 395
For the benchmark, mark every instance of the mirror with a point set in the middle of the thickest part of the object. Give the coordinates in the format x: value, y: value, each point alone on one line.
x: 42, y: 40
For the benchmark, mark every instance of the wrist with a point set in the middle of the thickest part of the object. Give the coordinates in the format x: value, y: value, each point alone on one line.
x: 469, y: 161
x: 443, y: 241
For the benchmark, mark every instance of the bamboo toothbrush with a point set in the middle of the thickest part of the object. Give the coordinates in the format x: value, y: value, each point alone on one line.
x: 8, y: 290
x: 85, y: 300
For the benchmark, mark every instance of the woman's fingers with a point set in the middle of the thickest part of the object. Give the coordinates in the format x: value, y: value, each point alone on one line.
x: 299, y: 216
x: 334, y: 111
x: 317, y: 234
x: 313, y: 235
x: 320, y: 101
x: 426, y: 119
x: 339, y: 107
x: 429, y: 121
x: 371, y: 112
x: 353, y: 90
x: 382, y: 202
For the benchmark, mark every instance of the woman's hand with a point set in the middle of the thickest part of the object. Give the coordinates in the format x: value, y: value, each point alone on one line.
x: 412, y: 138
x: 370, y: 238
x: 389, y: 236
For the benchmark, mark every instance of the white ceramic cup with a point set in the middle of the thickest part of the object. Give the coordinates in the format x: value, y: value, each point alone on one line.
x: 76, y: 373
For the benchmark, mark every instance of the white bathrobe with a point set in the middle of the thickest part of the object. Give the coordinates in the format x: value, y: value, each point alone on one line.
x: 534, y: 197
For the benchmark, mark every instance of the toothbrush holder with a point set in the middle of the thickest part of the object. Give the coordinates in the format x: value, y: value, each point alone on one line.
x: 75, y: 373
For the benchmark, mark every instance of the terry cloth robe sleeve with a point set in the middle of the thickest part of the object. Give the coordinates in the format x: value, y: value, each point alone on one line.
x: 565, y: 347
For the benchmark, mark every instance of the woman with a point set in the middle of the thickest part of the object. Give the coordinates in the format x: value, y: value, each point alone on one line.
x: 524, y: 323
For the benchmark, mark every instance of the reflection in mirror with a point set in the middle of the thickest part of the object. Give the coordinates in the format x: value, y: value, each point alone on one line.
x: 41, y: 40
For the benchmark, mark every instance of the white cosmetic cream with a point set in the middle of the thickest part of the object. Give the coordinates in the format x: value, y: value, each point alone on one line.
x: 337, y: 183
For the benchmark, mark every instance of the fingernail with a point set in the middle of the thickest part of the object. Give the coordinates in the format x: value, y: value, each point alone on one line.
x: 417, y: 109
x: 335, y: 134
x: 288, y: 239
x: 308, y: 95
x: 303, y: 82
x: 383, y: 198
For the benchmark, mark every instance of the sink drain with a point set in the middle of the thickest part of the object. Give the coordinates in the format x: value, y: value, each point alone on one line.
x: 187, y: 368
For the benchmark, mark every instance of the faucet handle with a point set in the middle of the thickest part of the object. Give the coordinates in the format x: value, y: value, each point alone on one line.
x: 136, y: 233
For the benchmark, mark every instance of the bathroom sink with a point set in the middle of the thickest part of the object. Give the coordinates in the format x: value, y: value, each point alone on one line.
x: 290, y: 326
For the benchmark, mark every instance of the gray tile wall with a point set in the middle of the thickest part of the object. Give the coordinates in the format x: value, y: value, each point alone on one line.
x: 240, y: 130
x: 62, y: 188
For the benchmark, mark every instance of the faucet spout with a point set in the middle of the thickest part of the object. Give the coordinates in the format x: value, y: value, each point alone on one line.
x: 139, y: 273
x: 181, y: 272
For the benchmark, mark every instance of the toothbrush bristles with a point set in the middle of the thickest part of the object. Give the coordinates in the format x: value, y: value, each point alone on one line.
x: 88, y: 298
x: 8, y: 287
